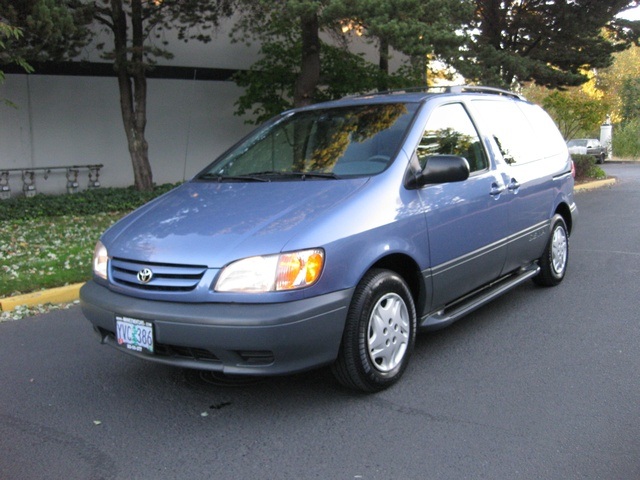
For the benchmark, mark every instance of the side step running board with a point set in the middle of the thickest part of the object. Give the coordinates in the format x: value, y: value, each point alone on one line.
x: 476, y: 299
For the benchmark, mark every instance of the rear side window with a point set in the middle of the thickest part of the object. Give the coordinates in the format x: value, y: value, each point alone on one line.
x: 450, y: 131
x: 523, y: 132
x: 510, y: 129
x: 551, y: 142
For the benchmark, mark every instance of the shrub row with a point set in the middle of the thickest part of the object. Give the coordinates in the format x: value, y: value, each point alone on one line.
x: 626, y: 140
x: 88, y: 202
x: 586, y: 168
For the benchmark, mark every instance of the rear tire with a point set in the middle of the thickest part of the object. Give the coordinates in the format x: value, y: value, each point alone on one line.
x: 554, y: 260
x: 379, y: 333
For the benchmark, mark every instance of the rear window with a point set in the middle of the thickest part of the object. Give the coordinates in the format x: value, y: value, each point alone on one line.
x: 345, y: 141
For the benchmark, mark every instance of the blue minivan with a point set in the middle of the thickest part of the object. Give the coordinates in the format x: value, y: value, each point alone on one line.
x: 333, y: 233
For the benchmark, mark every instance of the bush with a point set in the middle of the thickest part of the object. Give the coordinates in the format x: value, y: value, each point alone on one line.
x: 88, y: 202
x: 586, y: 168
x: 626, y: 140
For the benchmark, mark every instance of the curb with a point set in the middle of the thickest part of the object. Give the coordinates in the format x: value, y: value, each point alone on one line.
x: 595, y: 184
x: 67, y: 294
x: 71, y: 293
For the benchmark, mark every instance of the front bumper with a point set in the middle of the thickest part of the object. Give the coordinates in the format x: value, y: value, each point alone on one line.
x: 252, y: 339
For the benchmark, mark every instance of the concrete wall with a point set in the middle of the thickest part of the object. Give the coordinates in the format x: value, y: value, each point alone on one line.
x: 74, y: 119
x: 68, y: 120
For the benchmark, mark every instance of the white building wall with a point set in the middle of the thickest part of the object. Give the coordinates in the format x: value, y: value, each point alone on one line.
x: 71, y: 120
x: 75, y: 120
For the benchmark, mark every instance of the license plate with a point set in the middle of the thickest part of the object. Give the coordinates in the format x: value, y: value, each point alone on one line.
x: 134, y: 334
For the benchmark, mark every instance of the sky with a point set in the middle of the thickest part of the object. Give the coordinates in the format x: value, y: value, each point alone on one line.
x: 631, y: 14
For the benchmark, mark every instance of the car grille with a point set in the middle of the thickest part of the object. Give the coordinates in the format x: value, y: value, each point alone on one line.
x: 165, y: 277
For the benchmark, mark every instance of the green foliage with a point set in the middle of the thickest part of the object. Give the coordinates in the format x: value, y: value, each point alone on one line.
x: 52, y: 29
x: 270, y: 82
x: 586, y: 168
x: 611, y: 81
x: 575, y: 112
x: 33, y: 30
x: 626, y: 140
x: 416, y: 28
x: 88, y: 202
x: 7, y: 56
x: 552, y: 42
x: 420, y: 29
x: 139, y: 27
x: 630, y: 99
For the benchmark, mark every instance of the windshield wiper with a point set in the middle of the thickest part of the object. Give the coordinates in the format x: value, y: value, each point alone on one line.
x: 233, y: 178
x: 305, y: 175
x: 266, y: 176
x: 300, y: 175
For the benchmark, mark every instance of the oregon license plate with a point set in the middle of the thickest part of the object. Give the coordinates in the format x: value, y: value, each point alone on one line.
x: 134, y: 334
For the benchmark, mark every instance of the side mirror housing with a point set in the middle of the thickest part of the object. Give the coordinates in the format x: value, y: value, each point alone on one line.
x: 440, y: 169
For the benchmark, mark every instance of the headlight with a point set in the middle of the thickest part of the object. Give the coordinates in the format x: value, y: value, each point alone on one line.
x: 100, y: 259
x: 269, y: 273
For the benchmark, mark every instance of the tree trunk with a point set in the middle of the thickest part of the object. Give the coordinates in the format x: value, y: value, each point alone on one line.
x: 310, y: 66
x: 383, y: 49
x: 132, y: 84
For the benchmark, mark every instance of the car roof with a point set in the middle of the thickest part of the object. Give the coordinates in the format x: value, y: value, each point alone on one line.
x: 411, y: 95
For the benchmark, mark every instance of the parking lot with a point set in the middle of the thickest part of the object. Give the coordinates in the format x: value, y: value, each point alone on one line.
x: 542, y: 383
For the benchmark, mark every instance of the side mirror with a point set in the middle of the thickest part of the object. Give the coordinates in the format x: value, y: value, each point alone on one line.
x: 440, y: 169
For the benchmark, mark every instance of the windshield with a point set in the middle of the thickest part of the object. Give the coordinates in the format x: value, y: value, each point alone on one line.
x: 577, y: 143
x: 312, y: 144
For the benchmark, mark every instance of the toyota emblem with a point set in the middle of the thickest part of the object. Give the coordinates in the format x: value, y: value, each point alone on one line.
x: 145, y: 275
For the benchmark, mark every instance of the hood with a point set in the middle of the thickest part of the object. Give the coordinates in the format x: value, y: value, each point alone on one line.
x: 210, y: 223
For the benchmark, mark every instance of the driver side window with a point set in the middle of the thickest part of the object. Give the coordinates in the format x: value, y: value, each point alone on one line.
x: 450, y: 131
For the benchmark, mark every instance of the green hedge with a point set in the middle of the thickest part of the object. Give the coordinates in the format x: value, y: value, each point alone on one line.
x: 626, y: 140
x: 88, y: 202
x: 586, y: 168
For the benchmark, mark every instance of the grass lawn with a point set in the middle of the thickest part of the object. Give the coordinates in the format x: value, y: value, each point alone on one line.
x: 49, y: 251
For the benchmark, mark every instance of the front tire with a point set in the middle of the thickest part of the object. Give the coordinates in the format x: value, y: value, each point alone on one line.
x: 554, y: 260
x: 379, y: 333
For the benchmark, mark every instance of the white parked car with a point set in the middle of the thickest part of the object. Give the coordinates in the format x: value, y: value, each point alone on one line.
x: 588, y: 146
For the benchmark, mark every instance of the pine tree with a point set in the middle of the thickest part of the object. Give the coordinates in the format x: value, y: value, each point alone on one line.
x: 298, y: 67
x: 551, y: 42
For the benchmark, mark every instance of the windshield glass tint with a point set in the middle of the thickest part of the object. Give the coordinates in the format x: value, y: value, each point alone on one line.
x: 346, y: 141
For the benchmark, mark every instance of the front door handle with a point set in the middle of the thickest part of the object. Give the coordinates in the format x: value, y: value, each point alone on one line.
x: 496, y: 189
x: 514, y: 186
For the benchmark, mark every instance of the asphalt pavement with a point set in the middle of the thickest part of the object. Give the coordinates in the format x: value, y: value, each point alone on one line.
x: 541, y: 384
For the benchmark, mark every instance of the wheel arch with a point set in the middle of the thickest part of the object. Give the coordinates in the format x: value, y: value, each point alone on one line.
x: 408, y: 269
x: 565, y: 212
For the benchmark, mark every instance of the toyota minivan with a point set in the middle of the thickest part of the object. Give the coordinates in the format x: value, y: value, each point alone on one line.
x: 334, y: 233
